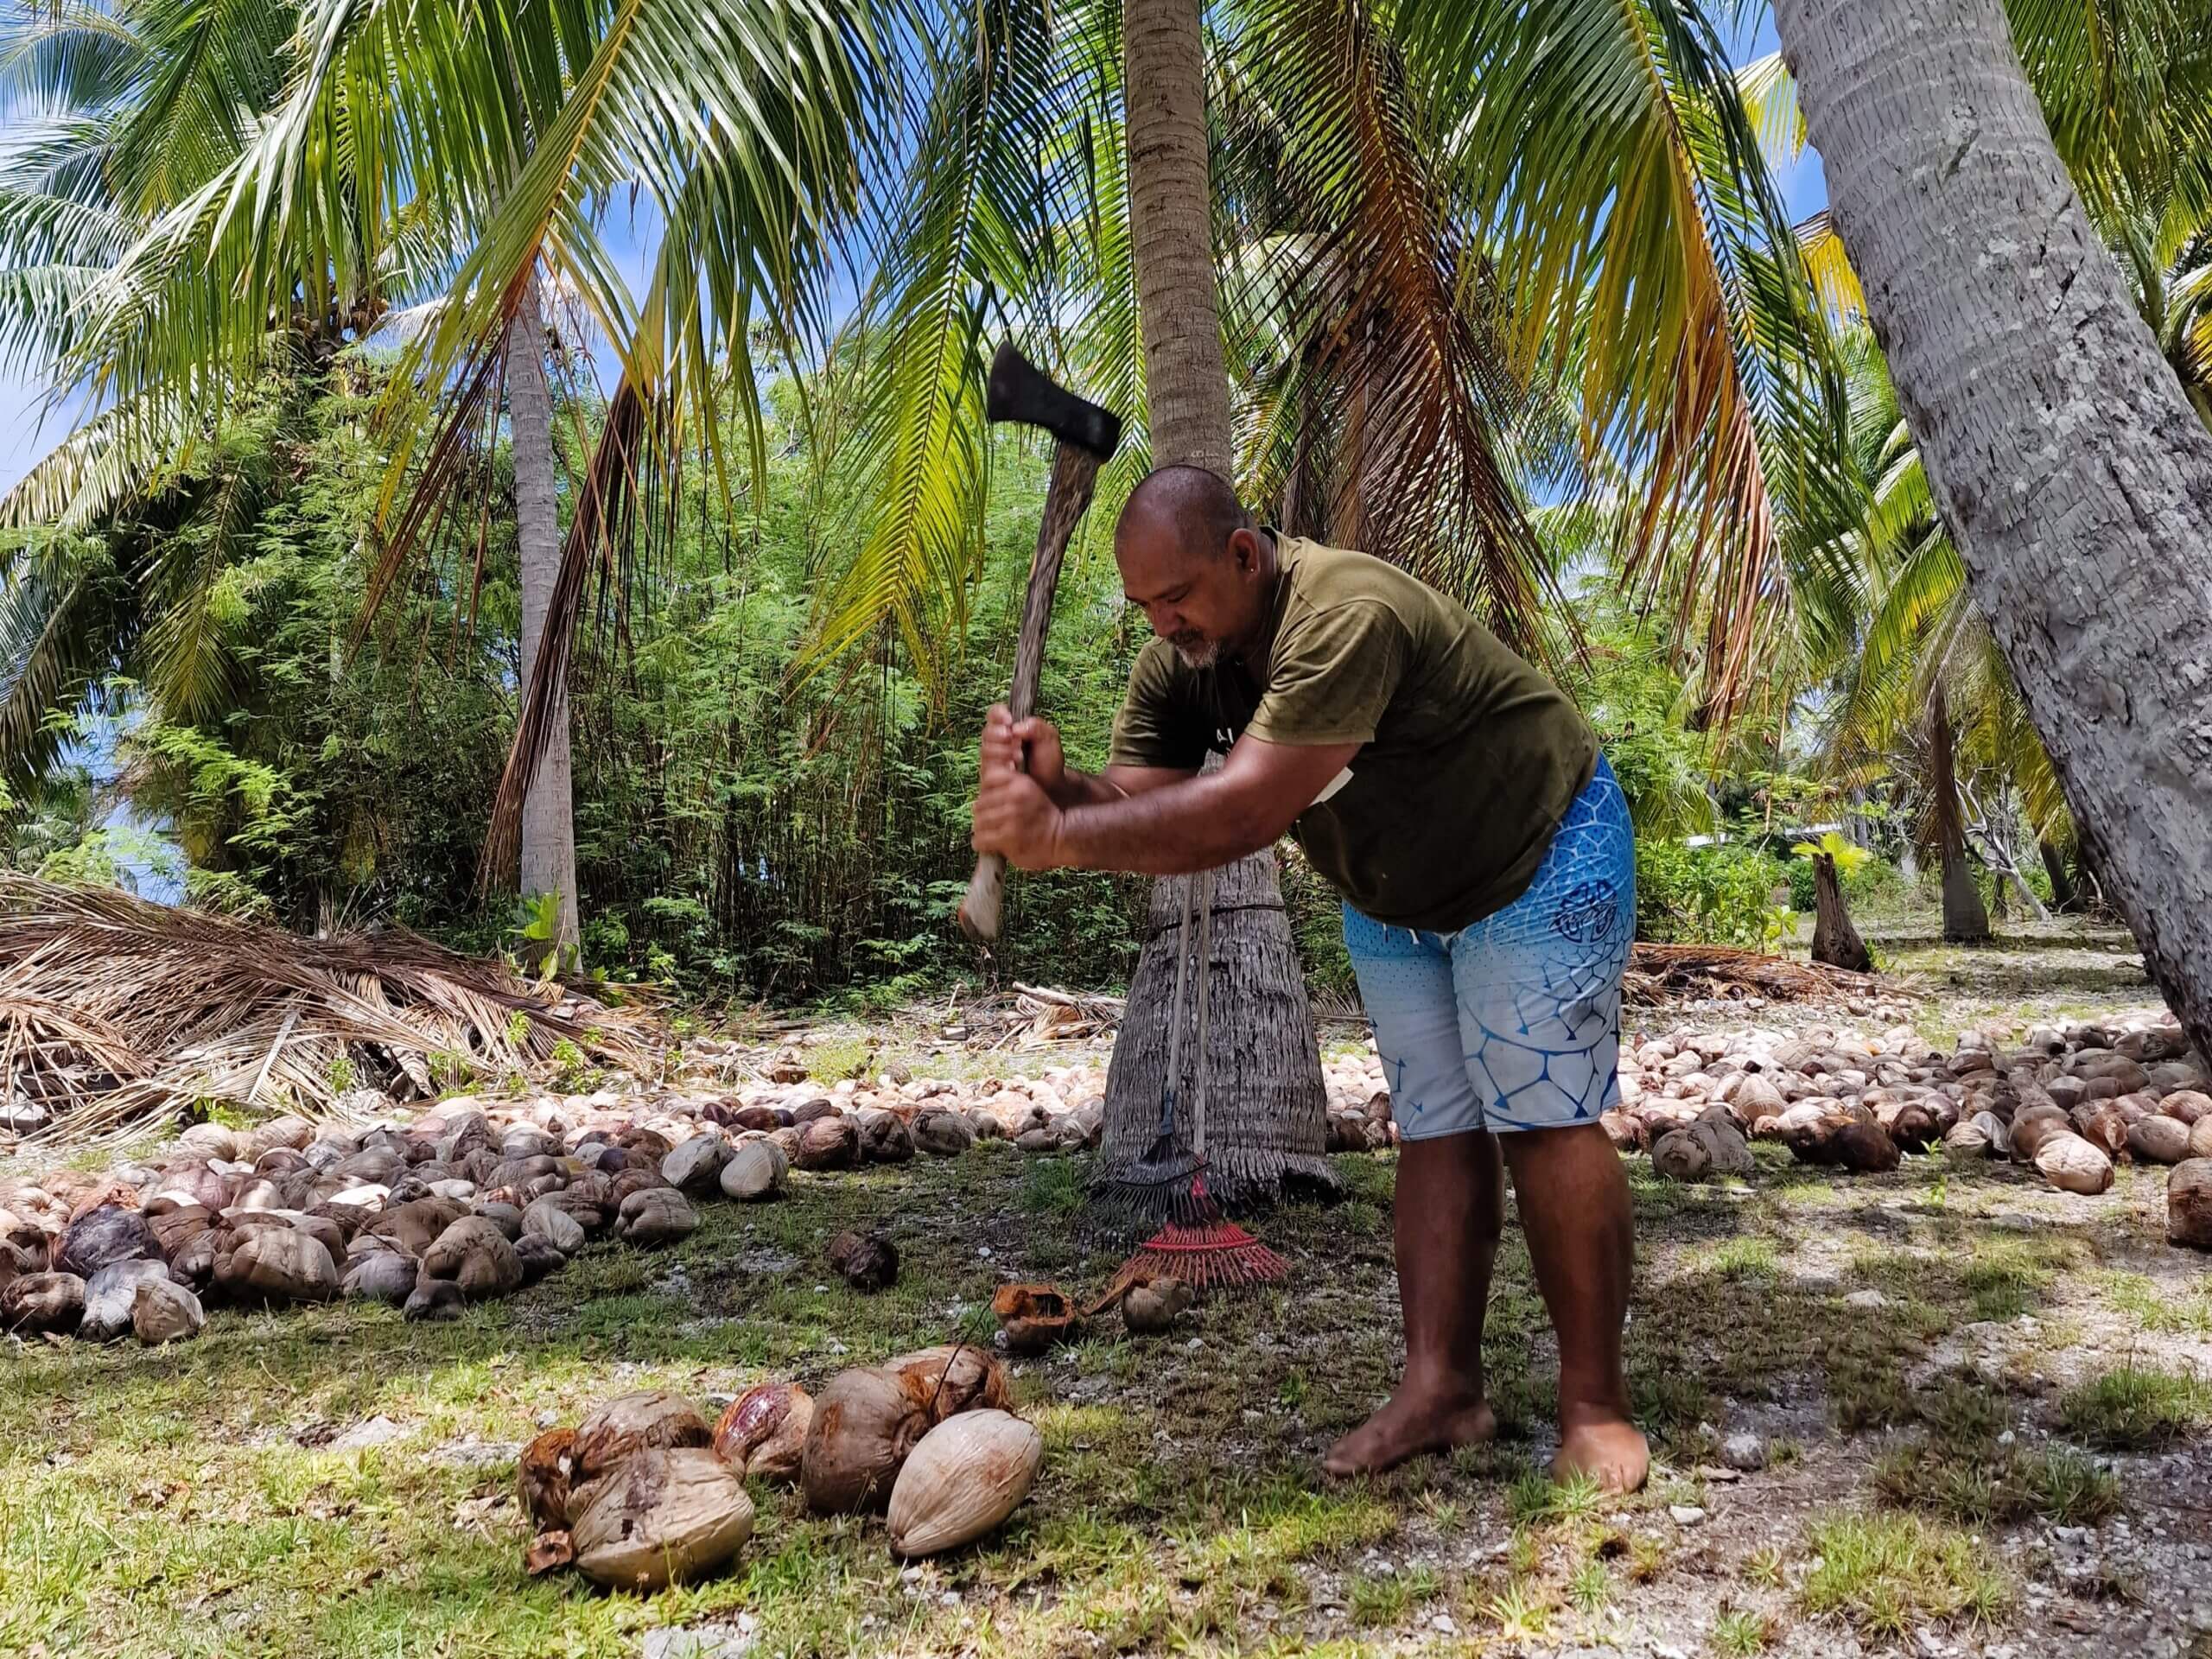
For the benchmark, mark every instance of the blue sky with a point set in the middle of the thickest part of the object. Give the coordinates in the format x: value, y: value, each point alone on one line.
x: 23, y: 438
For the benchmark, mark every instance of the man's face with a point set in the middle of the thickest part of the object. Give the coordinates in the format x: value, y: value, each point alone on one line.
x: 1199, y: 600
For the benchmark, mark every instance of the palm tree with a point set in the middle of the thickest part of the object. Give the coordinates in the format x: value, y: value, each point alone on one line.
x: 2070, y: 467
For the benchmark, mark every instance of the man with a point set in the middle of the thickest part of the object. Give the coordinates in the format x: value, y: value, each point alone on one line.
x: 1458, y: 800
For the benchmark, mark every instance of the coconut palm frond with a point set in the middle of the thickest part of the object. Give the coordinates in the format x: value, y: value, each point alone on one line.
x: 174, y: 1005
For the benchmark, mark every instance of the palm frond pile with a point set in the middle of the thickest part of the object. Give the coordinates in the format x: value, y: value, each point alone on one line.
x: 118, y: 1013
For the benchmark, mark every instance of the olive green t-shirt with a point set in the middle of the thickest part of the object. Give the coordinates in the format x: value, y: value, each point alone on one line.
x: 1469, y: 757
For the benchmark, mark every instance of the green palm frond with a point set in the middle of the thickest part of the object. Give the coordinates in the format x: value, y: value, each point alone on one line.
x: 1363, y: 311
x: 987, y: 184
x: 1610, y: 152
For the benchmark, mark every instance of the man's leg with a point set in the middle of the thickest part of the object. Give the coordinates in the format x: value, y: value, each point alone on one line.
x: 1573, y: 1199
x: 1449, y: 1209
x: 1449, y: 1203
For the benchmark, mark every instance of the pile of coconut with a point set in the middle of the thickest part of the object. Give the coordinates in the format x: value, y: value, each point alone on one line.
x: 2068, y: 1100
x: 643, y: 1493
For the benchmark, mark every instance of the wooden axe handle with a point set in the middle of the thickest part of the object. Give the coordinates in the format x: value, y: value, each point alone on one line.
x: 1075, y: 473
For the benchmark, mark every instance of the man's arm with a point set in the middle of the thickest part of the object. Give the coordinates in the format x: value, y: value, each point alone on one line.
x: 1171, y: 829
x: 1033, y: 746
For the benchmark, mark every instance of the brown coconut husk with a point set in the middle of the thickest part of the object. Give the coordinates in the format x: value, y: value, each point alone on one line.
x: 635, y: 1422
x: 865, y: 1423
x: 1034, y: 1317
x: 952, y: 1378
x: 763, y: 1432
x: 544, y: 1474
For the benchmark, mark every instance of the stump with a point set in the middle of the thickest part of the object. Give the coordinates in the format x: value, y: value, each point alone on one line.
x: 1835, y: 941
x: 1266, y: 1105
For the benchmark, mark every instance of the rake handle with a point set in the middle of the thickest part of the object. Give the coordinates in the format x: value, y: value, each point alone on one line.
x: 1075, y: 475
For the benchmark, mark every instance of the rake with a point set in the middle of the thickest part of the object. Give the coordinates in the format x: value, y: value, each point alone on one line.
x: 1197, y: 1244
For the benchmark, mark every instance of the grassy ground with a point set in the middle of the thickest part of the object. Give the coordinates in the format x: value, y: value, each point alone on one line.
x: 1984, y: 1406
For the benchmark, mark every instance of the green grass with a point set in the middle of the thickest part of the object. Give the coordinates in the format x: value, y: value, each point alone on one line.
x: 1739, y: 1633
x: 2176, y: 1310
x: 1886, y: 1573
x: 2138, y: 1407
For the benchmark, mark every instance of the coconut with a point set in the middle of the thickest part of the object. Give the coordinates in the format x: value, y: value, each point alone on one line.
x: 1034, y: 1317
x: 655, y: 1215
x: 964, y: 1478
x: 763, y: 1432
x: 954, y: 1377
x: 668, y: 1514
x: 544, y: 1474
x: 865, y: 1423
x: 554, y: 1547
x: 636, y: 1422
x: 1152, y: 1305
x: 865, y: 1262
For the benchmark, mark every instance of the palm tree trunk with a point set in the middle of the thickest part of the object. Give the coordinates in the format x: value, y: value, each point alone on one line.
x: 548, y: 835
x: 1835, y: 941
x: 1266, y: 1103
x: 2072, y: 472
x: 1965, y: 921
x: 2062, y: 881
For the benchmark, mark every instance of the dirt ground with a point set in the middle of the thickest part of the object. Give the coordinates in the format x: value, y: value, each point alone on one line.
x: 1978, y: 1412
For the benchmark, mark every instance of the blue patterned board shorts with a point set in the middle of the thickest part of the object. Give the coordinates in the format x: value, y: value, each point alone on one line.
x: 1514, y: 1023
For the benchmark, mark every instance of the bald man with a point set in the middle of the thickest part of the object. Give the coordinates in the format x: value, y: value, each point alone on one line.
x: 1459, y: 802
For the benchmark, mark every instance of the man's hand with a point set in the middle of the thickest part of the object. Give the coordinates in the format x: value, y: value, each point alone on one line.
x: 1016, y: 819
x: 1005, y: 740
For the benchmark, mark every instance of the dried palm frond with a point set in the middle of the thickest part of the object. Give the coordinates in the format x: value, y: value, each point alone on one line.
x: 115, y: 1010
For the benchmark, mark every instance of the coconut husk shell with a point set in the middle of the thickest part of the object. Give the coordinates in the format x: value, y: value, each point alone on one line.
x: 964, y: 1479
x: 649, y: 1419
x: 952, y: 1378
x: 552, y: 1549
x: 1034, y: 1317
x: 545, y: 1475
x: 762, y: 1433
x: 864, y: 1425
x: 667, y: 1513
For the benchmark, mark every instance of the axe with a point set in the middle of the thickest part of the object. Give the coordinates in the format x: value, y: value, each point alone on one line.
x: 1086, y: 435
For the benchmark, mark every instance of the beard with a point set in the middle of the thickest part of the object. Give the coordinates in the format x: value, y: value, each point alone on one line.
x: 1197, y: 651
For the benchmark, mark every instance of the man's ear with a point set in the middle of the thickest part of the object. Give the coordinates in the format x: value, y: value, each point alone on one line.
x: 1244, y: 546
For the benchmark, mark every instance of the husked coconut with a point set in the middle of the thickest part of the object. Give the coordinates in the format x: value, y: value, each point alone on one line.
x: 864, y: 1425
x: 866, y: 1262
x: 756, y: 1170
x: 2158, y: 1139
x: 762, y: 1435
x: 1151, y: 1306
x: 667, y: 1513
x: 2070, y: 1162
x: 636, y: 1422
x: 2189, y: 1205
x: 42, y: 1301
x: 963, y: 1478
x: 656, y: 1215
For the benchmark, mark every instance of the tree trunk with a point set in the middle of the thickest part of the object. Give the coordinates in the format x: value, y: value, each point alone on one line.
x: 548, y: 835
x: 2061, y: 882
x: 2074, y: 475
x: 1965, y: 921
x: 1266, y: 1118
x: 1835, y: 941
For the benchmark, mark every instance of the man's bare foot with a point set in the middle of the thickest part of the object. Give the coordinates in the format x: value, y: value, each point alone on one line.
x: 1604, y: 1446
x: 1412, y: 1423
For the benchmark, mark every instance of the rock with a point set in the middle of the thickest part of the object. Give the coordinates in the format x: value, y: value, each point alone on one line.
x: 1685, y: 1515
x: 110, y: 1294
x: 755, y: 1171
x: 829, y: 1142
x: 2158, y: 1139
x: 477, y: 1256
x: 42, y: 1301
x: 696, y: 1164
x: 884, y: 1139
x: 658, y: 1215
x: 1745, y: 1451
x: 163, y: 1311
x: 2069, y: 1163
x: 276, y: 1264
x: 866, y: 1262
x: 2186, y: 1105
x: 547, y: 1220
x: 2189, y: 1204
x: 102, y: 1236
x: 380, y: 1276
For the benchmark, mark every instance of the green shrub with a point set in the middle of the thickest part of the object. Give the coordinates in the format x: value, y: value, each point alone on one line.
x: 1708, y: 896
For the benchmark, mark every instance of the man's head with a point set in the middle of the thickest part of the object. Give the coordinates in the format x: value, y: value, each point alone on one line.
x: 1192, y: 558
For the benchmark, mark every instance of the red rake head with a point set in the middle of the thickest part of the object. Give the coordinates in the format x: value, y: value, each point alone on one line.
x: 1220, y: 1255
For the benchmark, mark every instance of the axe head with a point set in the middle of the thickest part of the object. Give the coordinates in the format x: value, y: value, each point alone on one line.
x: 1018, y: 391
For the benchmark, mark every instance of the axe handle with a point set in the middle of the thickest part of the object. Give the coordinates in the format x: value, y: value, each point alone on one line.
x: 1075, y: 473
